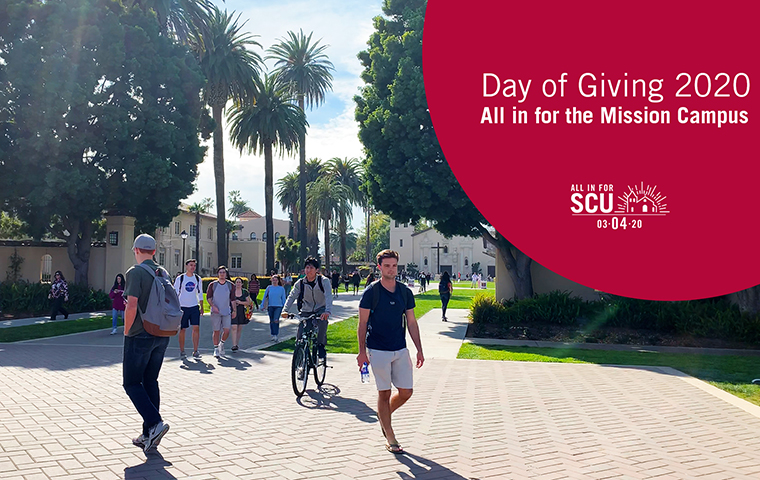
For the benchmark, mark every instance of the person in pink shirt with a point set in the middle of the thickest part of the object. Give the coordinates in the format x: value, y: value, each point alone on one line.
x: 117, y: 300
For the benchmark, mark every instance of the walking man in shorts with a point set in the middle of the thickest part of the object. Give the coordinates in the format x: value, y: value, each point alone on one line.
x: 382, y: 341
x: 190, y: 292
x: 219, y: 295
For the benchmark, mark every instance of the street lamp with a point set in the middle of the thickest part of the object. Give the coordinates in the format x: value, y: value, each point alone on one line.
x: 184, y: 237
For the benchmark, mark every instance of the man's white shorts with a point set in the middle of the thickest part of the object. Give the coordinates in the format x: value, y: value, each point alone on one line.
x: 219, y: 322
x: 391, y: 367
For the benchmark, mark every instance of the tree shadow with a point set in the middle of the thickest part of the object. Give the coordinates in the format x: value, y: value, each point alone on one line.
x: 197, y: 365
x: 154, y: 467
x: 422, y: 468
x: 327, y: 398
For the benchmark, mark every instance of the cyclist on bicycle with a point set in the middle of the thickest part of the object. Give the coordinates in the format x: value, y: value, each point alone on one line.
x: 313, y: 295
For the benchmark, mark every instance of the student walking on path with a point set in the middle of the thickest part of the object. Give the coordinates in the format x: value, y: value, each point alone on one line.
x: 241, y: 300
x: 382, y: 341
x: 253, y: 289
x: 273, y: 301
x: 143, y: 352
x: 219, y: 296
x: 189, y: 288
x: 117, y: 301
x: 444, y: 290
x: 59, y: 293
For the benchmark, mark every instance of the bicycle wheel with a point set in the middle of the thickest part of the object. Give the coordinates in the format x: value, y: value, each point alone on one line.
x: 299, y: 371
x: 320, y: 368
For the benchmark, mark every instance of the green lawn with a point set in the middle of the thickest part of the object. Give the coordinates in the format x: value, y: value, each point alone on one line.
x: 731, y: 373
x: 54, y: 329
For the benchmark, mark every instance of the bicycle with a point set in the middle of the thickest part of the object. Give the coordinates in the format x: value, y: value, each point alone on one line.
x: 305, y: 357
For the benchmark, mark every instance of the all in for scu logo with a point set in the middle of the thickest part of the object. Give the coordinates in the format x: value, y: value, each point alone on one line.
x: 598, y: 200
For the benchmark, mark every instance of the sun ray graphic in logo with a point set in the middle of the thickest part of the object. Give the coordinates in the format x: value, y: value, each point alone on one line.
x: 642, y: 201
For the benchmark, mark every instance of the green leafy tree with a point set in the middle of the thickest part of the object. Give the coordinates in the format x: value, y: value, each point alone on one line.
x: 327, y: 199
x: 287, y: 196
x: 238, y: 206
x: 232, y: 71
x: 11, y: 227
x: 287, y: 252
x: 91, y: 94
x: 347, y: 171
x: 314, y: 169
x: 349, y: 239
x: 181, y: 19
x: 407, y: 174
x: 272, y: 123
x: 379, y: 235
x: 303, y: 65
x: 204, y: 206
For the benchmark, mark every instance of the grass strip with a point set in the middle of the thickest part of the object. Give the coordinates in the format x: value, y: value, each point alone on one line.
x: 732, y: 373
x: 54, y: 329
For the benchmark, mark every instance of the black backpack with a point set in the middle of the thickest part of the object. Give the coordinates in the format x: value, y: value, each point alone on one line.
x: 197, y: 279
x: 405, y: 293
x: 299, y: 302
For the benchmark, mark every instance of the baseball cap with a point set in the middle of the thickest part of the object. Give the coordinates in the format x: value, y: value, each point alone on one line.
x: 145, y: 242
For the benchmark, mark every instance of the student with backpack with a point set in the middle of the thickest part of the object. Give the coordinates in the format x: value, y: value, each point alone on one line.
x: 152, y: 315
x: 189, y: 288
x: 220, y: 294
x: 386, y: 309
x: 445, y: 288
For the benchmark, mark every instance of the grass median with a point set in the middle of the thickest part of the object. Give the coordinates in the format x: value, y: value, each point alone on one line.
x: 55, y: 329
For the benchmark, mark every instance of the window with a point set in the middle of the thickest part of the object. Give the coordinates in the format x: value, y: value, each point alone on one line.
x: 113, y: 238
x: 236, y: 261
x: 234, y: 235
x: 401, y: 242
x: 46, y: 269
x: 193, y: 230
x: 193, y: 254
x: 485, y: 243
x: 426, y: 261
x: 208, y: 260
x: 466, y: 262
x: 264, y: 237
x: 177, y: 227
x: 276, y: 236
x: 396, y: 223
x: 253, y: 235
x: 162, y: 258
x: 445, y: 249
x: 210, y: 235
x: 176, y: 258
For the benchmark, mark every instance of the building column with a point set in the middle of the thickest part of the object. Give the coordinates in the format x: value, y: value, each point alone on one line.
x: 119, y: 257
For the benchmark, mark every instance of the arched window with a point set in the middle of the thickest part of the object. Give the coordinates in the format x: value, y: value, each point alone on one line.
x: 276, y: 236
x: 234, y: 235
x: 426, y: 261
x: 445, y: 249
x: 466, y: 262
x: 264, y: 237
x: 253, y: 235
x: 46, y: 268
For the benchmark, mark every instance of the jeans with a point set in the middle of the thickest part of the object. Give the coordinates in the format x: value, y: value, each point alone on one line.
x: 445, y: 301
x: 115, y: 314
x: 58, y: 307
x: 143, y: 356
x: 274, y: 320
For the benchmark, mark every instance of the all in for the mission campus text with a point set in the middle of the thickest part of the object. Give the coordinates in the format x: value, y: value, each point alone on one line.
x: 590, y: 85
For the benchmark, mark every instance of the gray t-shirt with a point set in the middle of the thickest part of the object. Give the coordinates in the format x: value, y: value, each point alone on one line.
x: 221, y: 297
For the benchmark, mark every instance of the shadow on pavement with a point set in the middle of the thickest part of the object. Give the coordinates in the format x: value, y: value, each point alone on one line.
x: 422, y: 468
x: 154, y: 467
x: 328, y: 398
x: 197, y: 365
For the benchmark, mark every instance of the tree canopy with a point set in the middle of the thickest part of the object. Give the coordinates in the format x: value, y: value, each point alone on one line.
x: 100, y: 114
x: 407, y: 174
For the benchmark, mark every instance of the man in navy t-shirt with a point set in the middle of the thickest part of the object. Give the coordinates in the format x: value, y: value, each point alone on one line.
x: 382, y: 341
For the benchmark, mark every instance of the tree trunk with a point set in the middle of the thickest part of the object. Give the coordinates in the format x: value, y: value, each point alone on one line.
x: 517, y: 264
x: 78, y: 245
x: 749, y: 299
x: 302, y: 185
x: 221, y: 225
x: 327, y: 245
x: 343, y: 232
x: 269, y: 200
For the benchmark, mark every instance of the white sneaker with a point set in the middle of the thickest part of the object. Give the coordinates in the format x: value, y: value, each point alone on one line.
x: 276, y: 338
x: 155, y: 434
x: 113, y: 332
x: 216, y: 352
x: 221, y: 348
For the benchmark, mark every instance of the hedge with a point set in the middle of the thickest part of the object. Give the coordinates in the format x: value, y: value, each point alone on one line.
x: 26, y: 298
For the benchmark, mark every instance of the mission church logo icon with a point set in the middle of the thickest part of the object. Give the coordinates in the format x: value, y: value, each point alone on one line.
x: 642, y: 201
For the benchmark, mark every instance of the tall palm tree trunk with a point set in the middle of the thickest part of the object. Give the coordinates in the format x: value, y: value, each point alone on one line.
x: 327, y: 245
x: 302, y: 186
x: 221, y: 226
x: 343, y: 231
x: 269, y: 199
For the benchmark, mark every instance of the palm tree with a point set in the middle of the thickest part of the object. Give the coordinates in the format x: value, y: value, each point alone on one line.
x: 305, y: 66
x: 350, y: 239
x: 273, y: 122
x: 347, y: 172
x: 200, y: 207
x: 238, y: 206
x: 181, y: 19
x: 231, y: 70
x: 326, y: 200
x: 287, y: 196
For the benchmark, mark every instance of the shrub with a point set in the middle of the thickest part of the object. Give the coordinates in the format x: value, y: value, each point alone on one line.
x: 485, y: 309
x: 24, y: 297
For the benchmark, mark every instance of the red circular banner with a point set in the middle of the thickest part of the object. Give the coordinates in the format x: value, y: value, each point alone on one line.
x: 615, y: 142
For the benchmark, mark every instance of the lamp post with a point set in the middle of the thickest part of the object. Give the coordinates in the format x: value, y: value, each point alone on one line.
x: 184, y: 237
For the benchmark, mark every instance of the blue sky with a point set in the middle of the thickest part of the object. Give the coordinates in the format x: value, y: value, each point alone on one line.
x: 344, y: 25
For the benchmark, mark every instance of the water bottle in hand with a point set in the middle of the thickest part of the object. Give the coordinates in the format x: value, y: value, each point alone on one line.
x: 365, y: 373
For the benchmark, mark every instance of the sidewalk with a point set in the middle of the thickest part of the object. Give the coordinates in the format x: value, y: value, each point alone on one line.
x: 19, y: 322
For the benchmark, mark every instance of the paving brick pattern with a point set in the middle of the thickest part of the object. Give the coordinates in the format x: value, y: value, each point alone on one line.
x: 64, y: 415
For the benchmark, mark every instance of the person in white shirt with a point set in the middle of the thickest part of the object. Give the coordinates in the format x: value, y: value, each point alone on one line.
x: 475, y: 280
x: 190, y: 291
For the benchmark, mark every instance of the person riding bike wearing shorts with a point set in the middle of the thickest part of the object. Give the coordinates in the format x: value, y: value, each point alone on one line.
x: 313, y: 295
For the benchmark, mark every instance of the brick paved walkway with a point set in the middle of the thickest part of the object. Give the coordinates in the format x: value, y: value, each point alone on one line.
x: 63, y: 414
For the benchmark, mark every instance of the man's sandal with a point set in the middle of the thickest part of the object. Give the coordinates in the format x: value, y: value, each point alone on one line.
x: 394, y: 448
